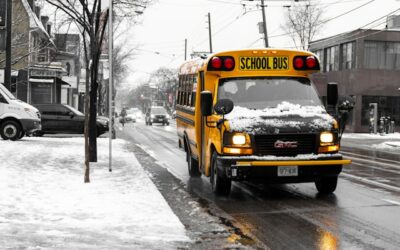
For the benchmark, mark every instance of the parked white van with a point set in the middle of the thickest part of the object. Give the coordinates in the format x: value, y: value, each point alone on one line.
x: 17, y: 118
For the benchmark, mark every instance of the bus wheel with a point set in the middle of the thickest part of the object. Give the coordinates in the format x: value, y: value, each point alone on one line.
x: 326, y: 185
x: 220, y: 184
x: 193, y: 165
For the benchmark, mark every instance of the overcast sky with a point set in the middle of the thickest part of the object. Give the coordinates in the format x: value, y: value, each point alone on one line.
x: 167, y: 23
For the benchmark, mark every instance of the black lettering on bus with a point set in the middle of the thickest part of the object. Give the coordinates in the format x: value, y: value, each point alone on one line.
x: 275, y: 63
x: 264, y: 63
x: 242, y: 63
x: 248, y: 63
x: 285, y: 63
x: 268, y: 66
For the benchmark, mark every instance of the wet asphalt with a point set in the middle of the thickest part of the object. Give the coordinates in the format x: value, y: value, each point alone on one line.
x: 363, y: 213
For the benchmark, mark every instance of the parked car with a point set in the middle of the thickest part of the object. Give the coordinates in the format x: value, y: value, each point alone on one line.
x: 61, y: 118
x: 157, y: 114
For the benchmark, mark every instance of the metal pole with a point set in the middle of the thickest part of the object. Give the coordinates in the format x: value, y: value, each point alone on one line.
x: 110, y: 84
x: 264, y: 24
x: 7, y: 70
x: 185, y: 49
x: 209, y: 31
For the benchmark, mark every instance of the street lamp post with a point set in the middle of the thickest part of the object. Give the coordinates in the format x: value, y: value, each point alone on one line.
x: 110, y: 84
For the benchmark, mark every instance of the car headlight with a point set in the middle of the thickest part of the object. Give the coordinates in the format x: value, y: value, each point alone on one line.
x: 239, y: 139
x: 167, y: 116
x: 326, y: 138
x: 152, y: 116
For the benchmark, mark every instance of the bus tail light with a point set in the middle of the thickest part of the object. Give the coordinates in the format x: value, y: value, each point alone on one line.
x: 306, y: 63
x: 221, y: 63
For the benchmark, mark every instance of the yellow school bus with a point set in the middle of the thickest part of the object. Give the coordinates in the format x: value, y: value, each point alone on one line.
x: 256, y: 115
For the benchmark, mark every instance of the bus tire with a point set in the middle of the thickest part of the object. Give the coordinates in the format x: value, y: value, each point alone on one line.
x: 326, y: 185
x: 193, y: 165
x: 219, y: 183
x: 10, y: 130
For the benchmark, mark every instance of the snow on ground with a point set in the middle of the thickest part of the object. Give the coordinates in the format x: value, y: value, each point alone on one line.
x: 384, y: 141
x: 44, y: 203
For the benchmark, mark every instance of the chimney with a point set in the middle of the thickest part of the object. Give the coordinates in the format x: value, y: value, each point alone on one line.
x: 37, y: 11
x: 48, y: 28
x: 44, y: 20
x: 32, y: 4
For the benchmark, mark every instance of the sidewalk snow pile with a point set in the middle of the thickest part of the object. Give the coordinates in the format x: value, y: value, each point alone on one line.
x: 384, y: 141
x: 45, y: 204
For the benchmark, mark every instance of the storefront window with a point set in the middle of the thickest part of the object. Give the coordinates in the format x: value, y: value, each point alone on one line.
x: 388, y: 106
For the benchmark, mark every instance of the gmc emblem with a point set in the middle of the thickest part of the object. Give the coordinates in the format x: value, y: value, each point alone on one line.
x: 285, y: 144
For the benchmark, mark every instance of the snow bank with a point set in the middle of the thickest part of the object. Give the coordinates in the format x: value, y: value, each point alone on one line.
x: 45, y: 204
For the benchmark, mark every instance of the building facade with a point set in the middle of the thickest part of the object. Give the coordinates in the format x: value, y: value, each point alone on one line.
x: 366, y: 66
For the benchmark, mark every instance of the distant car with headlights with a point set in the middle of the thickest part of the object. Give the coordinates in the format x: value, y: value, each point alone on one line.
x: 157, y: 114
x: 64, y: 119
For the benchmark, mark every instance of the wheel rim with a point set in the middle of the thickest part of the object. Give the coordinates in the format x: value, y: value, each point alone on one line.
x: 10, y: 131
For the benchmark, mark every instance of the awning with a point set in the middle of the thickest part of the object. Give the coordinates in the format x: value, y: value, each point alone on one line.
x: 41, y: 80
x: 48, y: 80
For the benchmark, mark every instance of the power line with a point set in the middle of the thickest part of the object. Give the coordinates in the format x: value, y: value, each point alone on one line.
x: 328, y: 20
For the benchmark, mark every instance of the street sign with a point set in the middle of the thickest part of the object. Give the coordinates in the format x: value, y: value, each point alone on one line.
x: 3, y: 8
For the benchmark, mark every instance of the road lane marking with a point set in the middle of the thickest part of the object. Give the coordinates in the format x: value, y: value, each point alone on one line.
x: 377, y: 168
x: 370, y: 157
x: 392, y: 202
x: 375, y: 162
x: 375, y: 183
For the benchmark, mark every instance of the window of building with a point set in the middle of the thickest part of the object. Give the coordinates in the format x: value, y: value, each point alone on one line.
x: 320, y: 55
x: 382, y: 55
x: 2, y: 39
x: 332, y: 58
x: 348, y: 55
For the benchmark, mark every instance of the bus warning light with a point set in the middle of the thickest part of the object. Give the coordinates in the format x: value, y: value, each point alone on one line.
x: 216, y: 63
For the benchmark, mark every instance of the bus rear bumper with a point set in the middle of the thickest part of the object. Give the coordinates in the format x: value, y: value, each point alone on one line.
x: 280, y: 171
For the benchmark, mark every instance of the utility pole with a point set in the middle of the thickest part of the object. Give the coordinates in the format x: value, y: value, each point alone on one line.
x: 209, y: 31
x: 264, y: 24
x: 7, y: 70
x: 185, y: 49
x: 110, y: 84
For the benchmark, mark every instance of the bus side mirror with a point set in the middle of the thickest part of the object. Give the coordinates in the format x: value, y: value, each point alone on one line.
x: 224, y: 106
x: 206, y: 103
x: 332, y: 94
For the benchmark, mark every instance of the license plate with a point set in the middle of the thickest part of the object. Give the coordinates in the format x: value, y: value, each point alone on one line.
x: 263, y: 63
x: 288, y: 171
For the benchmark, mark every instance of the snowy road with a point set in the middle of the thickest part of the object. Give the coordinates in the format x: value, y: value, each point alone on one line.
x: 363, y: 213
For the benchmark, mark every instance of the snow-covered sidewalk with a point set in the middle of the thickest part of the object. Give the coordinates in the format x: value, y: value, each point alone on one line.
x: 377, y: 141
x: 44, y: 203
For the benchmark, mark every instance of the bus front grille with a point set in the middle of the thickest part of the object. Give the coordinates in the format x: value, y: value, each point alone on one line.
x: 285, y: 144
